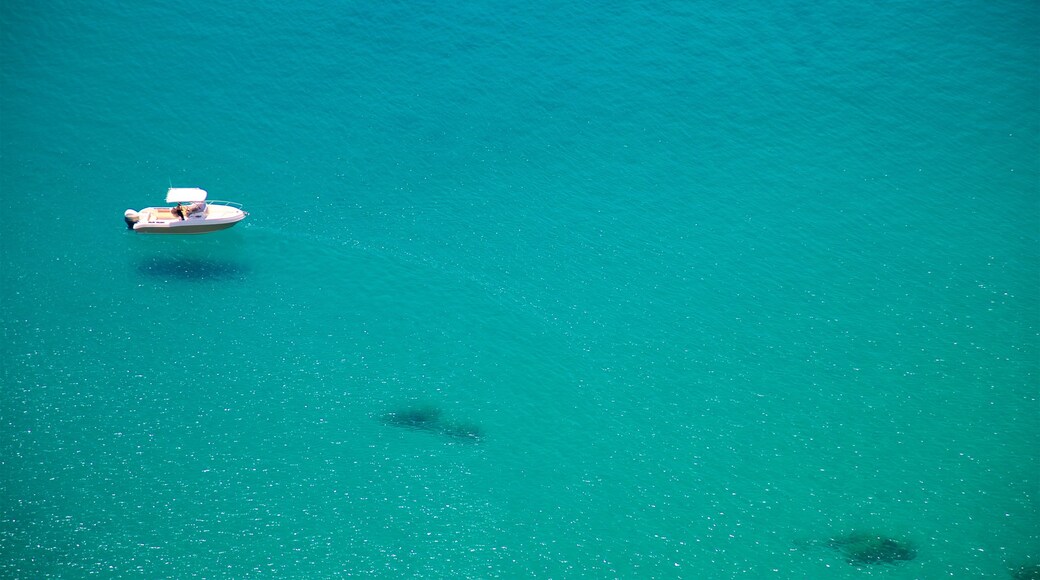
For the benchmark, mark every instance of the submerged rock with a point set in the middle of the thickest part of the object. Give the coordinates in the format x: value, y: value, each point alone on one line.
x: 868, y: 548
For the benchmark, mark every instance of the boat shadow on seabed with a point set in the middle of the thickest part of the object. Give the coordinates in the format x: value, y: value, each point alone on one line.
x: 192, y: 268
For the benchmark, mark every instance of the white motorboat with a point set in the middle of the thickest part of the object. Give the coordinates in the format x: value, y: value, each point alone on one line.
x: 197, y: 217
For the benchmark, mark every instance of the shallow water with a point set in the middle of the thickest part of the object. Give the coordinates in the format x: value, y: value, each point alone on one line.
x: 715, y: 285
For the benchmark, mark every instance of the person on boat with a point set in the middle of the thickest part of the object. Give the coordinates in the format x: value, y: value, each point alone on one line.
x: 179, y: 211
x: 194, y: 208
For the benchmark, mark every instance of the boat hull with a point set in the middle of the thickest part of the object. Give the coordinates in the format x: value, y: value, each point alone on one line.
x: 162, y: 220
x: 182, y: 229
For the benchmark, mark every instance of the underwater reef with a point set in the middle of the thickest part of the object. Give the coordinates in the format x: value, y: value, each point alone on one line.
x: 429, y: 418
x: 868, y: 548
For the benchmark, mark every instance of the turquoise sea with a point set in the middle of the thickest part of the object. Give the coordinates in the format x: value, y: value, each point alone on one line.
x: 527, y: 290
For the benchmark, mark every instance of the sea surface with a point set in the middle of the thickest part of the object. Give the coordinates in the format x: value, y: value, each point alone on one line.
x: 527, y: 290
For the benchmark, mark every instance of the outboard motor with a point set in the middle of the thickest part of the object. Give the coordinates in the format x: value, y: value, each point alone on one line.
x: 130, y: 217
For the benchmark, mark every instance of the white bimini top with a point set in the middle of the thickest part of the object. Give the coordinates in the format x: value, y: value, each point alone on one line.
x: 185, y: 195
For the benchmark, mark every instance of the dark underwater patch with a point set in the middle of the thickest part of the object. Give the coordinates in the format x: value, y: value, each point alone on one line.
x: 429, y: 418
x: 461, y: 431
x: 182, y: 268
x: 869, y: 548
x: 425, y: 417
x: 1026, y: 572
